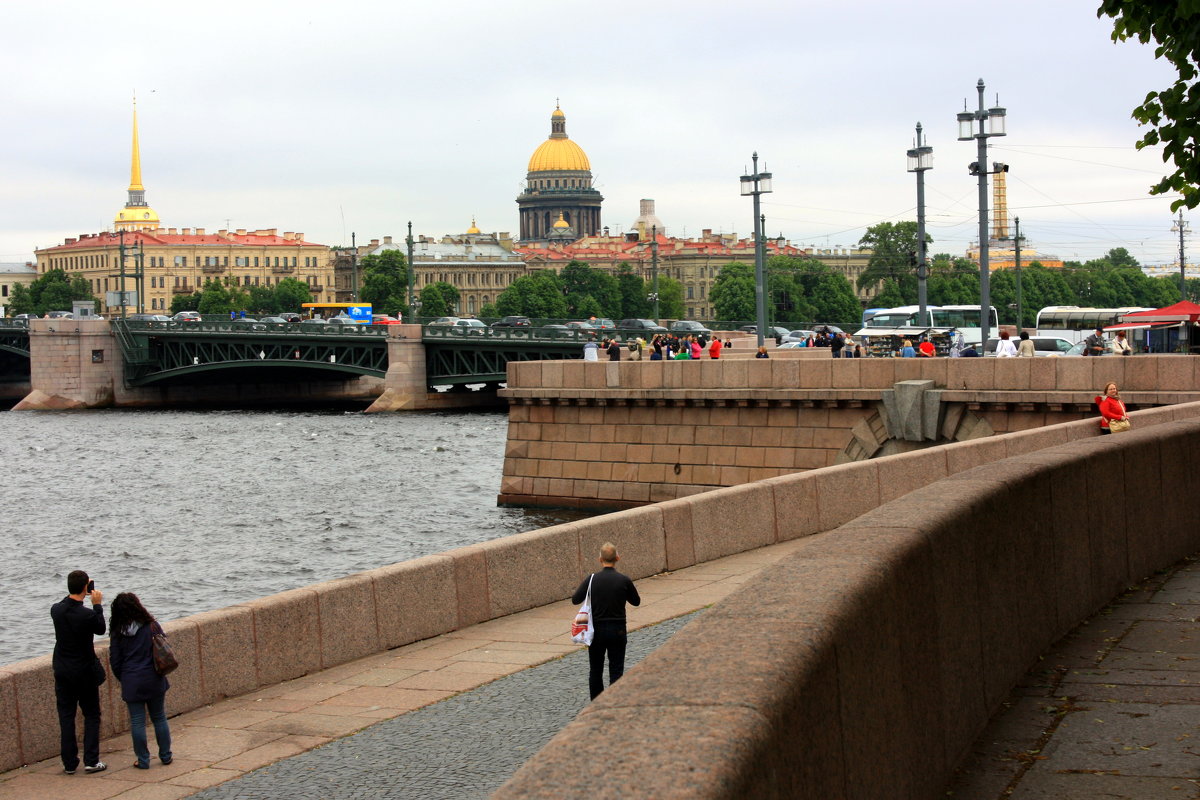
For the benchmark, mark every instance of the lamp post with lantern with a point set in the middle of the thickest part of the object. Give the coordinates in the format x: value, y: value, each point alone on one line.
x: 920, y: 161
x: 991, y: 123
x: 755, y: 184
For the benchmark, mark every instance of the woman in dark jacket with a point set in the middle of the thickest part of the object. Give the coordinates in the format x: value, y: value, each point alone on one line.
x: 142, y: 688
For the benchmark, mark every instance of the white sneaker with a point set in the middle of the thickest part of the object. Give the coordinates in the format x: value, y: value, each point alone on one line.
x: 99, y: 766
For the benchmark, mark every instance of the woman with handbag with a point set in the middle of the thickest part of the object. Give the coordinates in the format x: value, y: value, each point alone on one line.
x: 131, y: 656
x: 1112, y: 410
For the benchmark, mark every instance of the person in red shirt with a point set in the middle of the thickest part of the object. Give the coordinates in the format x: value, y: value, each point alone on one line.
x: 714, y: 349
x: 1111, y: 407
x: 926, y: 350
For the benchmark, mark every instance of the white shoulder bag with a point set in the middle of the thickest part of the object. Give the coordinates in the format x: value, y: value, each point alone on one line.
x: 582, y: 630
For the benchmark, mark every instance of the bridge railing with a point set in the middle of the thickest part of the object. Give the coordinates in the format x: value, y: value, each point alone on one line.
x: 14, y: 324
x: 245, y: 326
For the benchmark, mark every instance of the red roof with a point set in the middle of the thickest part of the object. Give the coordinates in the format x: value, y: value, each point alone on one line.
x: 150, y: 238
x: 1183, y: 311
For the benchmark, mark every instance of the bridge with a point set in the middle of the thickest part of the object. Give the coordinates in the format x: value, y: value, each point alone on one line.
x: 95, y: 363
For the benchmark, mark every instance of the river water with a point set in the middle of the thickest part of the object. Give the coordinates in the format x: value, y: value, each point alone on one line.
x: 196, y: 510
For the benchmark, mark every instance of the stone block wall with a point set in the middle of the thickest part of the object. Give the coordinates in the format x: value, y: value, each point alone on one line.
x: 866, y: 664
x: 238, y: 649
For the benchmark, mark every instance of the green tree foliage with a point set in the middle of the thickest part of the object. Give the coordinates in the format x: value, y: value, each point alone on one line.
x: 732, y: 293
x: 439, y: 299
x: 538, y: 295
x: 53, y: 291
x: 489, y: 311
x: 186, y: 302
x: 385, y: 282
x: 581, y: 282
x: 806, y: 290
x: 889, y: 296
x: 894, y: 248
x: 291, y: 294
x: 218, y: 298
x: 262, y: 300
x: 670, y: 298
x: 633, y: 291
x: 1173, y: 113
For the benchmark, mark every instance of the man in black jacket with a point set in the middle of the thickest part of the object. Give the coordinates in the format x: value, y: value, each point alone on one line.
x: 610, y: 592
x: 77, y: 672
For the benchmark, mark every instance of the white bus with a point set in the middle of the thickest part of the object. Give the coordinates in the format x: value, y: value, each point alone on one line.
x: 966, y: 319
x: 1076, y: 322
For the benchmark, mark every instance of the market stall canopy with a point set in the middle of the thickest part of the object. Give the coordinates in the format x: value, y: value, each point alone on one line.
x: 1137, y: 326
x: 909, y: 332
x: 1183, y: 311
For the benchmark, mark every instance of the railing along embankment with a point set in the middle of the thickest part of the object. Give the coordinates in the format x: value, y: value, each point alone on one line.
x: 866, y: 664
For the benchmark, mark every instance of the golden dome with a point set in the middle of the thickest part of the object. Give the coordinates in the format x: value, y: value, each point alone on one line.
x: 561, y: 223
x: 558, y: 152
x: 472, y: 229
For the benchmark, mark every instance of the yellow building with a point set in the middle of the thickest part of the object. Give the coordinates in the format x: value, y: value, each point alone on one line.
x: 178, y: 261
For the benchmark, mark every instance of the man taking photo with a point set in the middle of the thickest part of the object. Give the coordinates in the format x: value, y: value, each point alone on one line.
x: 77, y: 672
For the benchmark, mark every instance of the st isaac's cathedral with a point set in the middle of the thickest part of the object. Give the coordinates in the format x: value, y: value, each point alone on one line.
x: 559, y: 202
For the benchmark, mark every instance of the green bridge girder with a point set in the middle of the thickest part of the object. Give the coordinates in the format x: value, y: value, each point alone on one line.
x: 15, y: 339
x: 158, y: 352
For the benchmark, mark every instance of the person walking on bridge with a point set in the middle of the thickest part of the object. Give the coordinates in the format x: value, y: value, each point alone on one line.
x: 610, y: 592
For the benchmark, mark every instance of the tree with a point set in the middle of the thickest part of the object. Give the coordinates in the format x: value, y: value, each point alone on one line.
x: 732, y: 292
x: 439, y: 299
x: 218, y: 298
x: 670, y: 298
x: 292, y: 294
x: 1173, y: 114
x: 806, y: 290
x: 185, y: 302
x: 889, y: 295
x: 893, y: 253
x: 581, y: 281
x: 633, y: 291
x: 53, y: 291
x: 385, y: 282
x: 262, y: 300
x: 538, y: 295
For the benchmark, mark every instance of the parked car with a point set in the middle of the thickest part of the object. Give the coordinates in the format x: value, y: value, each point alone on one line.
x: 26, y: 317
x: 1078, y: 348
x: 383, y: 319
x: 513, y: 322
x: 799, y: 335
x: 246, y: 324
x: 187, y: 316
x: 641, y: 325
x: 474, y: 327
x: 315, y: 322
x: 343, y: 320
x: 602, y: 322
x: 59, y: 315
x: 290, y: 316
x: 273, y: 320
x: 147, y: 318
x: 685, y: 327
x: 444, y: 321
x: 1042, y: 346
x: 581, y: 325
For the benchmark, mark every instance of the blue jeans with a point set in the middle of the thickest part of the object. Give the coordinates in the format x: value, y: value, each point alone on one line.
x: 137, y: 728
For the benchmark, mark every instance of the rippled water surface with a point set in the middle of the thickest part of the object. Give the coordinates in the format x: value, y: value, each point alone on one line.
x: 198, y: 510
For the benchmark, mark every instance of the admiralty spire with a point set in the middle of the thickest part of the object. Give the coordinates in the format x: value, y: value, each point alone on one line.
x: 136, y: 216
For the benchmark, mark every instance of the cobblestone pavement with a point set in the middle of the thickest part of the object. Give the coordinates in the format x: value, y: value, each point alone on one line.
x: 460, y: 748
x: 1111, y: 711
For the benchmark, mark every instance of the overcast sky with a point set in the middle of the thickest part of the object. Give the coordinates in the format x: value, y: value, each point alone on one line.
x: 329, y: 118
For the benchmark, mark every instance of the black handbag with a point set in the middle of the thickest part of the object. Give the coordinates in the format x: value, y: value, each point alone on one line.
x: 161, y: 651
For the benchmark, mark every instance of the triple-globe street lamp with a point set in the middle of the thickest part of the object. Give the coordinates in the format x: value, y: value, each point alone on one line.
x: 991, y: 123
x: 755, y: 184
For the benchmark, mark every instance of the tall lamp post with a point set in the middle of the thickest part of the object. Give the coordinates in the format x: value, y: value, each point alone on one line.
x: 755, y: 184
x: 412, y: 298
x: 1181, y: 227
x: 654, y: 269
x: 920, y: 161
x: 991, y: 123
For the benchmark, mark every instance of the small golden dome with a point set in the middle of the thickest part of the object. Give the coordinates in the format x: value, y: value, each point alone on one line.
x: 472, y: 229
x: 561, y: 223
x: 558, y: 113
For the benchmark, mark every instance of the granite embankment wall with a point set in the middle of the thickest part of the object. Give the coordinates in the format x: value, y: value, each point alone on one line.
x: 615, y: 435
x: 237, y: 649
x: 867, y: 663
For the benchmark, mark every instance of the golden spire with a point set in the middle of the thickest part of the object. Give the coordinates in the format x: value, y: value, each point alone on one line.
x: 135, y: 172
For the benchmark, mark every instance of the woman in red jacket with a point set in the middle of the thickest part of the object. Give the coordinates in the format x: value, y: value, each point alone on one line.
x: 1111, y: 407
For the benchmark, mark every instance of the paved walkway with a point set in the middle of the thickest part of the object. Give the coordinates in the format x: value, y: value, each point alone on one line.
x: 229, y: 739
x: 1112, y: 711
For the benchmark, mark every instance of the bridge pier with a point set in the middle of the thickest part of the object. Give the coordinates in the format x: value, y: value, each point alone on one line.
x: 72, y: 364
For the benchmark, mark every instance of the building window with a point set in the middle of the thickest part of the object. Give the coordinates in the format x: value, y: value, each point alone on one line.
x: 256, y: 261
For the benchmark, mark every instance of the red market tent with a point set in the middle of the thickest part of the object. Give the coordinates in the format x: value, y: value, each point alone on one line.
x: 1183, y: 311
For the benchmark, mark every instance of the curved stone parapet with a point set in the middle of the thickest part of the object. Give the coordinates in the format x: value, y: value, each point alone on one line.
x: 866, y: 664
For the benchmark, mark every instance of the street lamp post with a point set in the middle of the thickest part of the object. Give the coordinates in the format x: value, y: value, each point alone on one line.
x: 1181, y: 227
x: 991, y: 123
x: 755, y: 184
x: 412, y: 298
x: 920, y: 161
x: 654, y: 269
